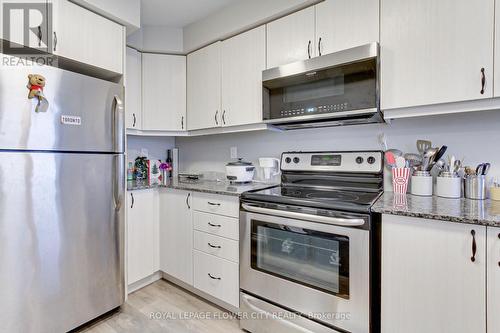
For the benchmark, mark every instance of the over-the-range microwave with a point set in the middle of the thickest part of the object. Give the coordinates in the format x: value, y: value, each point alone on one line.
x: 340, y: 88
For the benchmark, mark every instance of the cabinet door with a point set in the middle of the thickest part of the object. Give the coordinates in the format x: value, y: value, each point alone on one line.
x: 342, y: 24
x: 433, y: 51
x: 133, y: 93
x: 243, y: 60
x: 176, y: 235
x: 163, y: 92
x: 87, y: 37
x: 204, y: 87
x: 493, y: 270
x: 17, y: 32
x: 291, y: 38
x: 429, y: 281
x: 142, y: 243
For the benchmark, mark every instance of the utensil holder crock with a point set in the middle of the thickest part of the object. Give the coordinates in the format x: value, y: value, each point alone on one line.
x: 449, y: 186
x: 475, y: 187
x: 421, y: 183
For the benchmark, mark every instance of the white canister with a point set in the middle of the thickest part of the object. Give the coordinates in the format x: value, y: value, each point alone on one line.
x: 449, y: 185
x: 421, y: 183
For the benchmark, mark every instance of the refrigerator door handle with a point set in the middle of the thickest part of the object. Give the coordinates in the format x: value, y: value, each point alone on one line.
x: 118, y: 125
x: 118, y: 181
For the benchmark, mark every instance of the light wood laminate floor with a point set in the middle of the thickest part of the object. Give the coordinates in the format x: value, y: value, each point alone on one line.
x: 179, y: 312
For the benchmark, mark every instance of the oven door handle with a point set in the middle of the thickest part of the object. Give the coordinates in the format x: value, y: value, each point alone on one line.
x: 313, y: 218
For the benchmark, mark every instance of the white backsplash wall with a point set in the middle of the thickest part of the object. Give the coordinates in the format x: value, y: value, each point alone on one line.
x: 156, y: 146
x: 473, y: 135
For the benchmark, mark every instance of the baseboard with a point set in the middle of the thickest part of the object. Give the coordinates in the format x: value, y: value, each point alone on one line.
x: 144, y: 282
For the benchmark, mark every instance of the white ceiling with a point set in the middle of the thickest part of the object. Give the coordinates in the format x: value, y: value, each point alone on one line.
x: 179, y: 13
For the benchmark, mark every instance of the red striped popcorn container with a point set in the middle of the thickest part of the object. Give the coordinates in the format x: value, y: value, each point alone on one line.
x: 400, y: 178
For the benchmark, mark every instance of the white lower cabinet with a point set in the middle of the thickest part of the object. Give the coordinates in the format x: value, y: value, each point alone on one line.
x: 493, y: 269
x: 217, y: 277
x: 176, y: 235
x: 433, y: 280
x: 142, y: 235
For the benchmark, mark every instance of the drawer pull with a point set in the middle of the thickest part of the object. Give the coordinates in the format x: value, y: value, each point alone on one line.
x: 214, y: 246
x: 214, y: 225
x: 213, y: 203
x: 213, y: 277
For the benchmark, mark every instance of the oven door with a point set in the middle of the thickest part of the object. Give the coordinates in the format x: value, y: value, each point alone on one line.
x: 320, y: 269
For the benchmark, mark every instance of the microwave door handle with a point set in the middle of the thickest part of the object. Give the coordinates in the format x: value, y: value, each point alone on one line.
x: 313, y: 218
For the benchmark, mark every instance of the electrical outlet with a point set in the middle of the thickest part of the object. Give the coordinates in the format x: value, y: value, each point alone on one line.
x: 144, y: 152
x: 234, y: 152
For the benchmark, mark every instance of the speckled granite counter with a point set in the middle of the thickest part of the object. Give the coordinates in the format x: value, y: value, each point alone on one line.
x: 216, y: 187
x: 483, y: 212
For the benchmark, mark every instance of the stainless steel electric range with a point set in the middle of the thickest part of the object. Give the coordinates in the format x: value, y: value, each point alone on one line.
x: 308, y: 246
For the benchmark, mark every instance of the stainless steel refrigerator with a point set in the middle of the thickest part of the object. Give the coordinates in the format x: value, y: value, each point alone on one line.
x: 61, y: 200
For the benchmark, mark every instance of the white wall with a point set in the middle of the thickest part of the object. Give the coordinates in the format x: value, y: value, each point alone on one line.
x: 475, y: 136
x: 156, y: 146
x: 157, y: 39
x: 126, y: 12
x: 236, y: 18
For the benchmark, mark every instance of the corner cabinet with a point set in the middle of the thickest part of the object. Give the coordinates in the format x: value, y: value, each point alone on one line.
x: 204, y: 87
x: 493, y: 269
x: 133, y: 96
x: 243, y: 60
x: 163, y: 92
x: 433, y: 280
x: 436, y: 52
x: 176, y: 234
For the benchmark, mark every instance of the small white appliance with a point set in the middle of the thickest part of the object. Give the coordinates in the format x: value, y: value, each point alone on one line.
x: 240, y: 171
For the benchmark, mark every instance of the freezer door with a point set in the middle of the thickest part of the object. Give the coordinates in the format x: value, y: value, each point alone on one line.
x: 61, y: 239
x: 83, y: 114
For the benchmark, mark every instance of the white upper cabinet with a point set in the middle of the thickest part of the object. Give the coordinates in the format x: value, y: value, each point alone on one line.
x: 86, y: 37
x: 243, y: 60
x: 434, y: 51
x: 163, y: 92
x: 204, y: 87
x: 133, y: 96
x: 291, y: 38
x: 342, y: 24
x: 493, y: 269
x: 433, y: 276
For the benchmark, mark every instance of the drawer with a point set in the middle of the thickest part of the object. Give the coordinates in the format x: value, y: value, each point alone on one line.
x: 217, y: 225
x: 217, y: 277
x: 217, y: 204
x: 220, y: 247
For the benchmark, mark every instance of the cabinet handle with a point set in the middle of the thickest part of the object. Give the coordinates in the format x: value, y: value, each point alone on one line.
x: 224, y: 117
x: 319, y: 47
x: 309, y: 49
x: 483, y: 81
x: 182, y: 122
x: 135, y: 119
x: 216, y: 120
x: 474, y: 247
x: 214, y: 246
x: 213, y: 277
x: 55, y: 41
x: 133, y: 200
x: 187, y: 200
x: 214, y: 225
x: 213, y: 203
x: 40, y: 35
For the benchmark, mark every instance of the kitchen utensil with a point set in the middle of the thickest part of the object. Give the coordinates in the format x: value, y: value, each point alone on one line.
x: 421, y: 183
x: 423, y: 145
x: 400, y: 162
x: 240, y: 171
x: 438, y: 167
x: 451, y: 163
x: 440, y: 153
x: 449, y: 185
x: 475, y: 187
x: 428, y: 158
x: 469, y: 171
x: 390, y: 159
x: 457, y: 165
x: 483, y: 169
x: 414, y: 160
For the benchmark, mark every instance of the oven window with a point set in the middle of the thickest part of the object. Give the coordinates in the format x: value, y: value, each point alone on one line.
x: 311, y: 258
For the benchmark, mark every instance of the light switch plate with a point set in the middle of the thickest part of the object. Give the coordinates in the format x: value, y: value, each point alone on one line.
x: 234, y: 152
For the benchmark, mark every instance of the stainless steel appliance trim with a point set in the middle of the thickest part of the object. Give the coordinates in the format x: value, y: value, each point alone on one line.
x: 313, y: 218
x: 331, y: 115
x: 259, y: 313
x: 119, y: 125
x: 351, y: 55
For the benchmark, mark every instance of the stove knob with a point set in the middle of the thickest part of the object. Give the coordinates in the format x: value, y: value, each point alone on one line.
x: 296, y: 160
x: 288, y: 160
x: 359, y: 159
x: 371, y: 160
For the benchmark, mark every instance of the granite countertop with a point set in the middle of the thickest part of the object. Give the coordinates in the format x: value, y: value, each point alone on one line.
x: 207, y: 186
x: 482, y: 212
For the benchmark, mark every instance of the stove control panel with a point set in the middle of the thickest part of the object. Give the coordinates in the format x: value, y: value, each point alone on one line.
x: 357, y: 161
